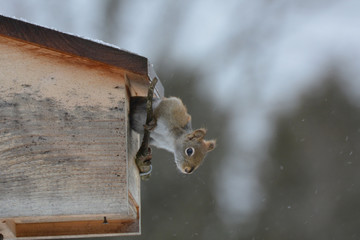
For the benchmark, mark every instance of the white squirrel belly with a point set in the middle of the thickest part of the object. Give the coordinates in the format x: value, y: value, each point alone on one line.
x: 161, y: 136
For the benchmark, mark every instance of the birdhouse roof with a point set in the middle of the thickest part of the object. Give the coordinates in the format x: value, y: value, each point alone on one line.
x: 77, y: 46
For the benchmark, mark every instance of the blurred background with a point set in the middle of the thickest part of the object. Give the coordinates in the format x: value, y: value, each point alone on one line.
x: 275, y: 82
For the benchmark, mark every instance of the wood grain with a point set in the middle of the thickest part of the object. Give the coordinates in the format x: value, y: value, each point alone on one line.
x: 65, y: 146
x: 57, y: 162
x: 80, y: 47
x: 74, y: 228
x: 73, y: 45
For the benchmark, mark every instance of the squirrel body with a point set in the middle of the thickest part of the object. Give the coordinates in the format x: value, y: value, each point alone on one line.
x: 171, y: 130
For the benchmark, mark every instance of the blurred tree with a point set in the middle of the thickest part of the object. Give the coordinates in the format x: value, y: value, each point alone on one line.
x: 111, y: 15
x: 313, y: 190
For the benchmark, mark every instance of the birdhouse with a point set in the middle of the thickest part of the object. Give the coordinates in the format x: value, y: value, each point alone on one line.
x: 66, y: 150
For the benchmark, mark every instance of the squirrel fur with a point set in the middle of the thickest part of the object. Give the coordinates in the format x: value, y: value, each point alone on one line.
x: 171, y: 130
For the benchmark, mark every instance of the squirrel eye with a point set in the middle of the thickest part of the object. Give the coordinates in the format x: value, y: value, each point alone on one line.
x: 189, y: 151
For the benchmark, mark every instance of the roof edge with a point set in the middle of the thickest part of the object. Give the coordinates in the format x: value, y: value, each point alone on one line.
x: 73, y: 45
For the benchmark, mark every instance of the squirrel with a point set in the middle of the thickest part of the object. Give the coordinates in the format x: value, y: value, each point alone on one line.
x: 171, y: 130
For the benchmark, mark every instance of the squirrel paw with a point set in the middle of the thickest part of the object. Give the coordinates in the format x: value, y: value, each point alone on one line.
x: 147, y: 158
x: 151, y: 125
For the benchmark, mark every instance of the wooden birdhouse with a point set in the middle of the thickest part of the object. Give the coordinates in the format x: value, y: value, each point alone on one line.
x: 66, y: 150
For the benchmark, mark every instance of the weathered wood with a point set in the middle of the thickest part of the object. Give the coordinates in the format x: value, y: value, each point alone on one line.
x: 70, y: 44
x: 87, y: 227
x: 81, y: 153
x: 66, y: 149
x: 133, y: 172
x: 65, y: 145
x: 68, y: 226
x: 79, y: 47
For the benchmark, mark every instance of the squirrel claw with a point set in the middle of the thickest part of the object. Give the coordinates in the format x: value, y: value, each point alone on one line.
x: 147, y: 158
x: 151, y: 125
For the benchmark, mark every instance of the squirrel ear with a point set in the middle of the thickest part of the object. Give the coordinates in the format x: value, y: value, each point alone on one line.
x: 210, y: 145
x: 198, y: 134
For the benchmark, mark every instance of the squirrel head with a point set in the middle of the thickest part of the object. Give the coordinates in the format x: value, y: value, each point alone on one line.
x: 191, y: 150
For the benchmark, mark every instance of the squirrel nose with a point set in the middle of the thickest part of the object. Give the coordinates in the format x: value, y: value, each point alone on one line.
x: 189, y: 169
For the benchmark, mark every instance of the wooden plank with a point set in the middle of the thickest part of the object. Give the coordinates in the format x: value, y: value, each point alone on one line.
x: 6, y: 230
x: 133, y: 143
x: 90, y: 227
x: 46, y: 174
x: 73, y: 45
x: 138, y: 66
x: 62, y: 135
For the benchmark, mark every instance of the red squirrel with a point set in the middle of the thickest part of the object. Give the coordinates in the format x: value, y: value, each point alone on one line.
x: 171, y: 130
